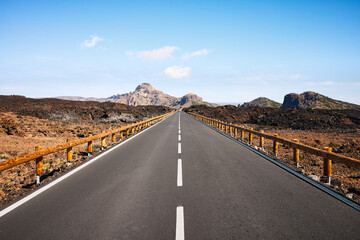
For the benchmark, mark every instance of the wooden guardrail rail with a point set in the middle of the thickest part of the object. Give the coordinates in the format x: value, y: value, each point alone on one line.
x: 326, y: 154
x: 39, y: 152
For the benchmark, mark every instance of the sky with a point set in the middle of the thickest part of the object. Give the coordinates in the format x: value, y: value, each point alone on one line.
x: 223, y: 51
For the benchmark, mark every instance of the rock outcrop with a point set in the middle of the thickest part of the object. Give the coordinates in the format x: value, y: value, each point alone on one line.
x: 145, y: 94
x: 312, y: 100
x: 262, y: 102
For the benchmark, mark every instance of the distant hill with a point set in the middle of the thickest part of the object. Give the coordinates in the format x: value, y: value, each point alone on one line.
x: 77, y: 98
x: 145, y: 94
x: 312, y: 100
x: 262, y: 102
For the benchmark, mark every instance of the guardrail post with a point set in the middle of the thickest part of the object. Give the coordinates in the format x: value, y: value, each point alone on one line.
x: 90, y: 144
x: 132, y: 129
x: 69, y: 153
x: 103, y: 143
x: 242, y: 135
x: 39, y: 166
x: 250, y: 137
x: 121, y: 135
x: 113, y: 137
x: 296, y: 151
x: 235, y: 132
x: 276, y: 145
x: 262, y: 141
x: 327, y: 167
x: 127, y: 130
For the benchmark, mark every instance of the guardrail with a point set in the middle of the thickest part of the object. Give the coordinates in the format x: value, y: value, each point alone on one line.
x: 40, y: 153
x: 239, y: 133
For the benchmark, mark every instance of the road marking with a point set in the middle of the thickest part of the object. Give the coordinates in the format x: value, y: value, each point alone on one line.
x: 179, y: 137
x: 43, y: 189
x: 180, y: 233
x: 179, y: 131
x: 179, y: 174
x: 179, y: 148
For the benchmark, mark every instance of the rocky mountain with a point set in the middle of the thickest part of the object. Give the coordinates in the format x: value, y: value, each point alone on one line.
x: 145, y: 94
x: 262, y: 102
x: 312, y: 100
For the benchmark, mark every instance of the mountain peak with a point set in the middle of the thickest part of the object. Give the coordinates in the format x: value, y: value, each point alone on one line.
x: 262, y: 102
x: 313, y: 100
x: 144, y: 86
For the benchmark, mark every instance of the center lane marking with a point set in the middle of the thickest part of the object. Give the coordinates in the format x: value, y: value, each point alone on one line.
x: 179, y: 148
x: 179, y: 174
x: 179, y: 137
x: 180, y: 233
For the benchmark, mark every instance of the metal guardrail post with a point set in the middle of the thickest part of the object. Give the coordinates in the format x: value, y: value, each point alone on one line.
x: 121, y: 135
x: 262, y: 141
x: 69, y: 153
x: 250, y: 137
x: 327, y: 166
x: 90, y: 144
x: 242, y: 135
x: 296, y: 155
x: 113, y: 137
x: 276, y: 146
x: 103, y: 142
x: 39, y: 166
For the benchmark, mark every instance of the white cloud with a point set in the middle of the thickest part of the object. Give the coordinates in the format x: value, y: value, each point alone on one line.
x: 195, y: 54
x: 91, y: 43
x: 177, y: 72
x: 155, y: 54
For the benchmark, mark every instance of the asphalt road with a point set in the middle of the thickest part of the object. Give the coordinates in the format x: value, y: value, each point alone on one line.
x: 225, y: 191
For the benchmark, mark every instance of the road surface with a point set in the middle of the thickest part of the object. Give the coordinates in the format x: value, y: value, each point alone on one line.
x: 181, y: 180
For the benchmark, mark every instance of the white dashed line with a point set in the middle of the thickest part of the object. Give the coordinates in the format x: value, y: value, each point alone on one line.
x: 179, y: 137
x: 179, y: 131
x: 179, y: 174
x: 180, y: 233
x: 179, y: 148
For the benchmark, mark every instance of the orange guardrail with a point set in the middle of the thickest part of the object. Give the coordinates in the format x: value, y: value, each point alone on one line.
x: 39, y: 152
x: 326, y: 154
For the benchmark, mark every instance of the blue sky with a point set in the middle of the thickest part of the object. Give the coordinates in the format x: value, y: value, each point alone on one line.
x: 224, y: 51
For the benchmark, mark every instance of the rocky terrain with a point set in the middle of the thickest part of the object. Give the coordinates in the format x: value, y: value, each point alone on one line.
x: 77, y: 111
x: 339, y: 129
x: 262, y: 102
x: 298, y: 119
x: 145, y: 94
x: 312, y: 100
